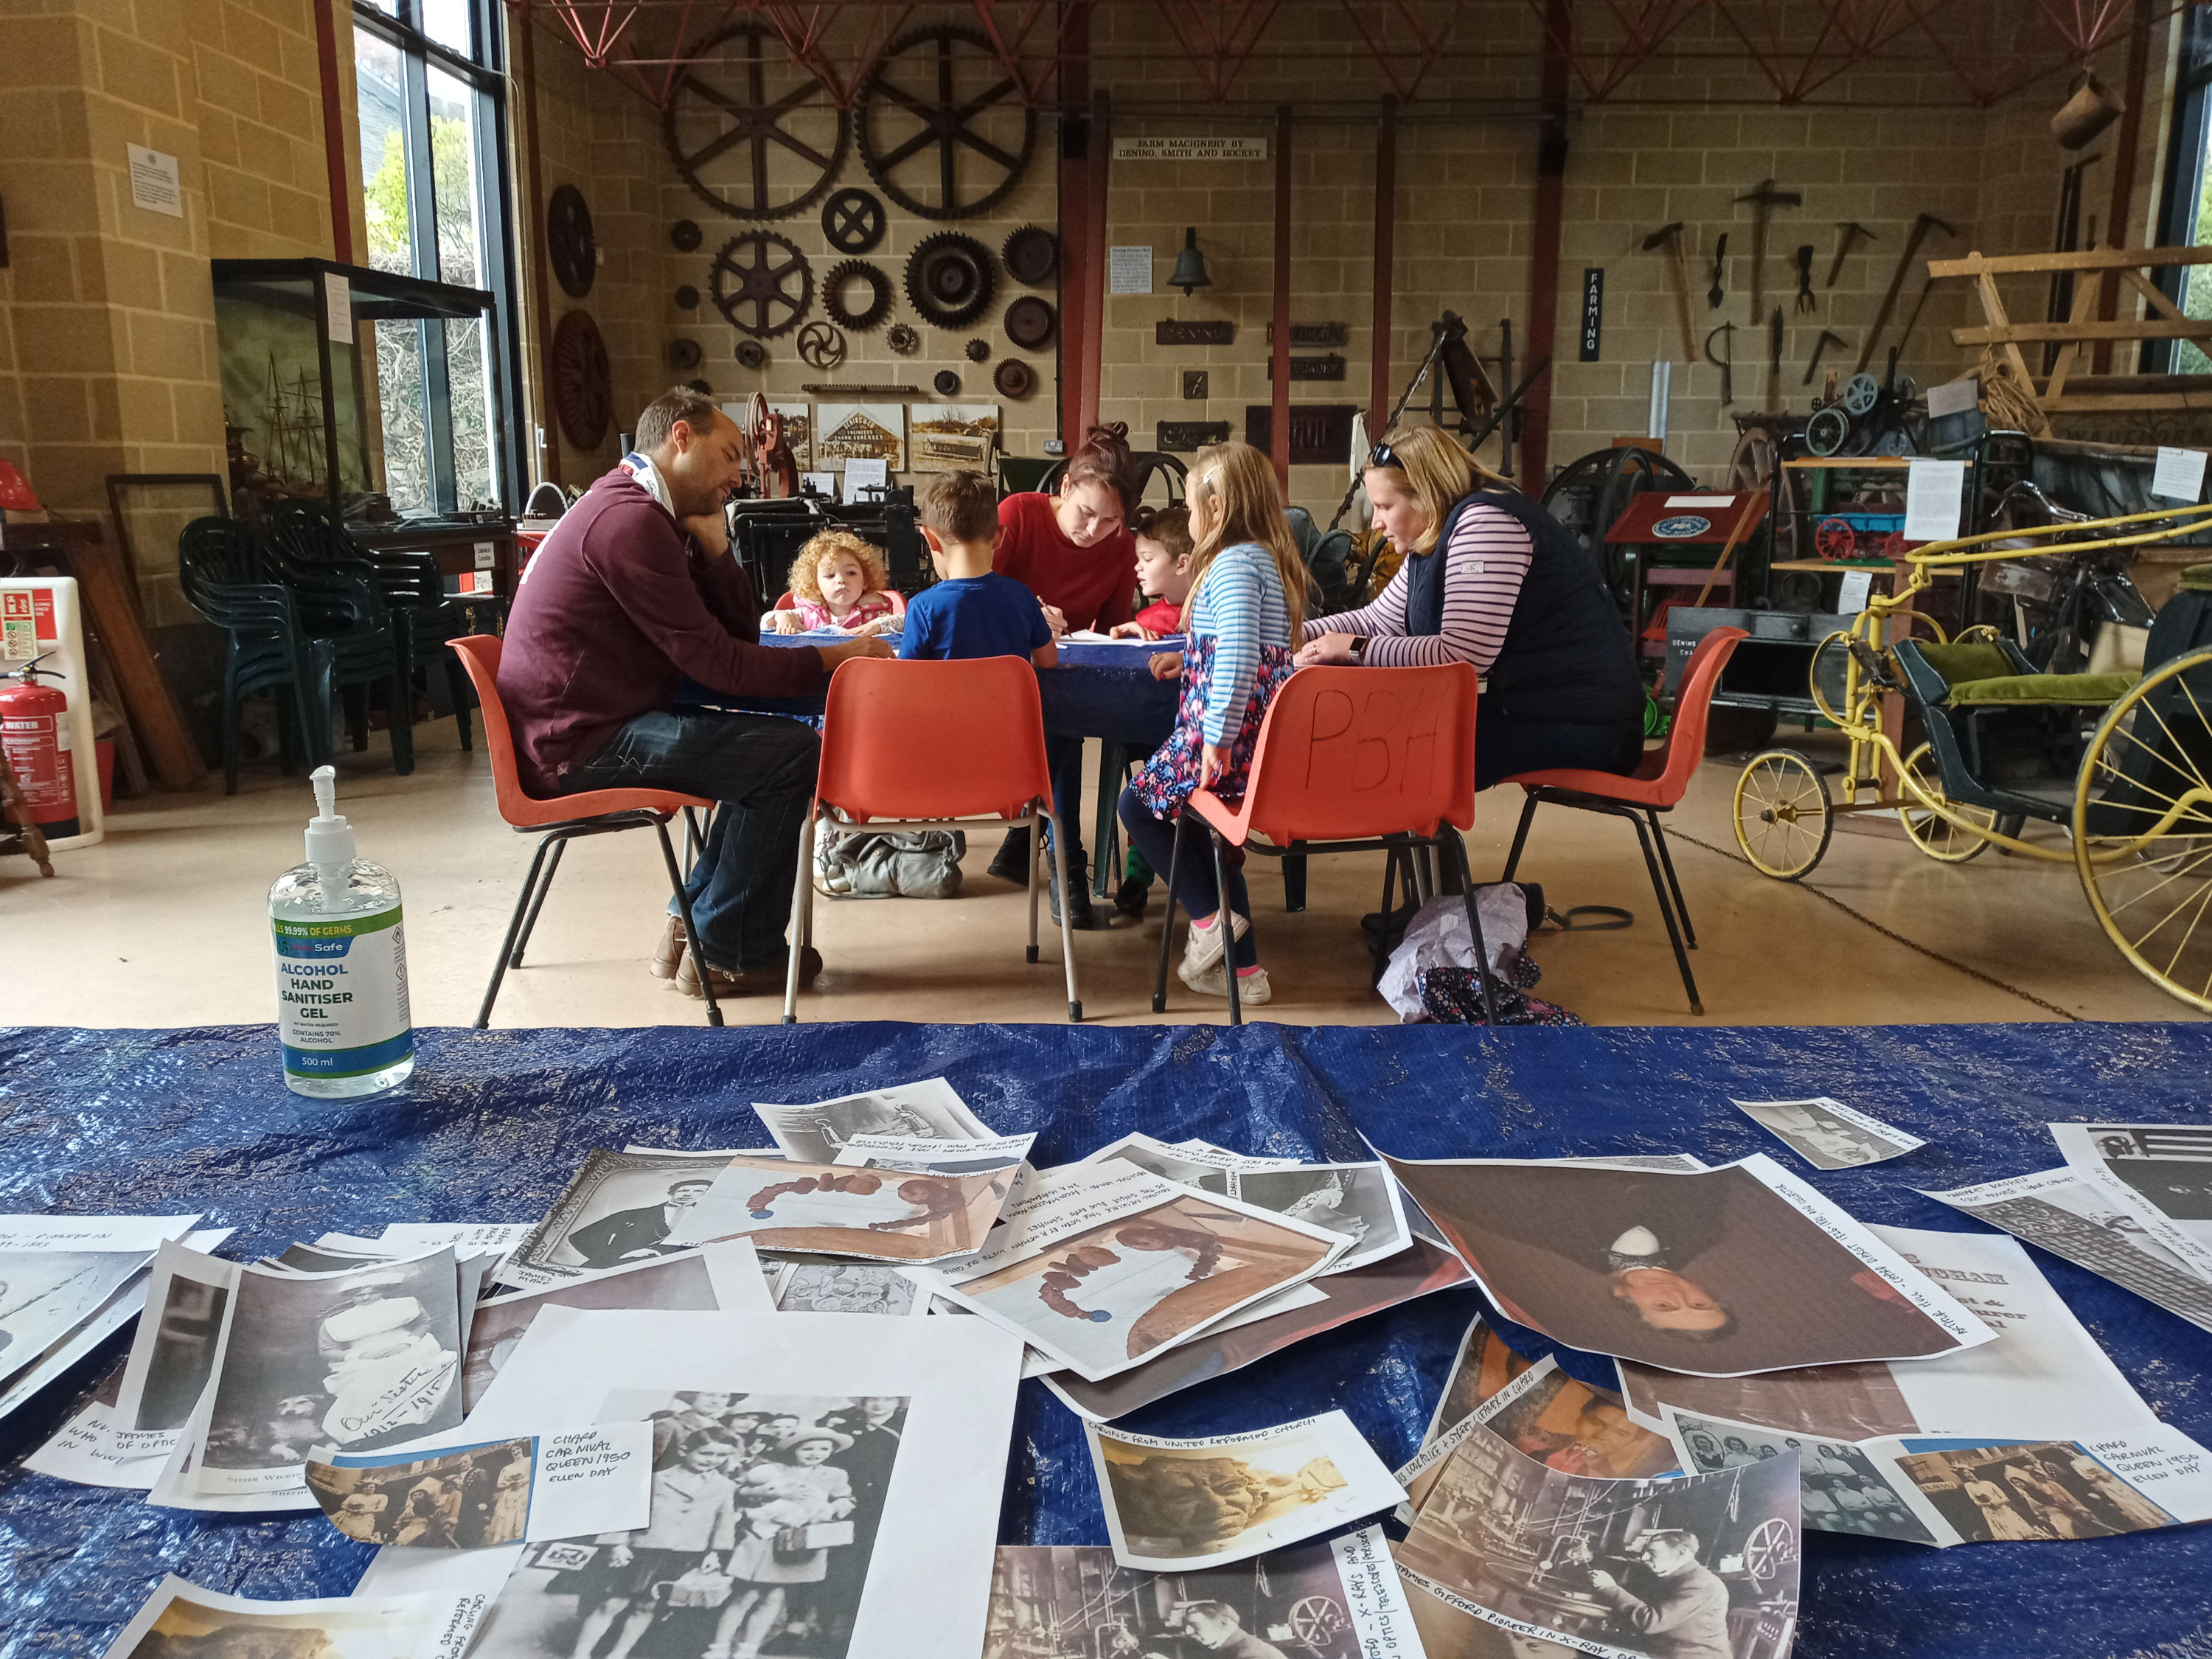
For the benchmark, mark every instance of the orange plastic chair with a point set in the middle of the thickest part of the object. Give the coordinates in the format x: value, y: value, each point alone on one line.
x: 592, y: 812
x: 919, y: 745
x: 1654, y: 787
x: 1352, y: 760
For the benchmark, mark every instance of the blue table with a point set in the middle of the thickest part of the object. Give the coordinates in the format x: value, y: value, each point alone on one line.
x: 497, y: 1122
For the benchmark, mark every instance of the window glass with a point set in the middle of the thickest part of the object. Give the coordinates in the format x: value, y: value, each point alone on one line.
x: 385, y: 183
x: 446, y: 21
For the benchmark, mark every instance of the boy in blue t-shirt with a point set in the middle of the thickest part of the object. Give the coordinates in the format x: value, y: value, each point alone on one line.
x: 972, y: 612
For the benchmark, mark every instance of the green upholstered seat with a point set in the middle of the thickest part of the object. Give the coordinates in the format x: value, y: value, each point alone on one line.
x: 2196, y: 579
x: 1958, y: 664
x: 2080, y: 690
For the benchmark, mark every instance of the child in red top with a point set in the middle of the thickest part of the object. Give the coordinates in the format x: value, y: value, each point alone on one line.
x: 1164, y: 550
x: 839, y: 581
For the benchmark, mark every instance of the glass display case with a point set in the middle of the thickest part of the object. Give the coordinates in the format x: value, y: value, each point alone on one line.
x: 308, y: 416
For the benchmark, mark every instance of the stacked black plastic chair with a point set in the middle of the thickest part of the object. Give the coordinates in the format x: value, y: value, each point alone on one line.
x: 228, y: 578
x: 334, y: 585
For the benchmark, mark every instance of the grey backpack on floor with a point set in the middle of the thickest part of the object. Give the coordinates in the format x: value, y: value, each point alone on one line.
x: 863, y: 864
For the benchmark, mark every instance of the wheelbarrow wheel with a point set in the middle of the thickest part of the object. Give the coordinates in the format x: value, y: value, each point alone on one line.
x: 2142, y: 827
x: 1784, y: 816
x: 1932, y: 833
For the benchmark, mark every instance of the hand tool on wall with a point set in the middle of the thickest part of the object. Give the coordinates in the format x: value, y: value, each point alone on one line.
x: 1670, y: 237
x: 1726, y: 365
x: 2066, y: 240
x: 1774, y: 361
x: 1763, y: 200
x: 1828, y: 338
x: 1753, y: 514
x: 1805, y: 300
x: 1912, y: 317
x: 1714, y: 294
x: 1854, y: 233
x: 1921, y: 227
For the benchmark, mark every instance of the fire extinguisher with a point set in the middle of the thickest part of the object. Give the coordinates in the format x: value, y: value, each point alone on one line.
x: 35, y: 736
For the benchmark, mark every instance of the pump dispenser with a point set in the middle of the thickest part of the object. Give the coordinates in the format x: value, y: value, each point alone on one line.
x: 340, y: 964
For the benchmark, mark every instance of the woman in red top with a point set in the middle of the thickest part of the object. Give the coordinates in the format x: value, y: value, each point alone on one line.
x: 1074, y: 551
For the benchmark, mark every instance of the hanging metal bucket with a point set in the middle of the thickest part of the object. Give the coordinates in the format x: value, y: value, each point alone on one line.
x: 2092, y: 108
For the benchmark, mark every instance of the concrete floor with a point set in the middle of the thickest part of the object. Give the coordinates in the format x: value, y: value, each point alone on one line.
x: 165, y: 925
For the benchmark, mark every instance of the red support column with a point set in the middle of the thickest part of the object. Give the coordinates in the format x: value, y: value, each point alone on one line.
x: 1279, y: 429
x: 1544, y: 267
x: 326, y: 56
x: 1094, y: 338
x: 1386, y: 237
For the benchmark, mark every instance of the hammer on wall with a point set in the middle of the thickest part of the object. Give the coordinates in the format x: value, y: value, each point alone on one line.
x: 1764, y: 199
x: 1670, y: 237
x: 1921, y: 227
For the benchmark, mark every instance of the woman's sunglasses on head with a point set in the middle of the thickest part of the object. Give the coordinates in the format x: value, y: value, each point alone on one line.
x: 1383, y: 455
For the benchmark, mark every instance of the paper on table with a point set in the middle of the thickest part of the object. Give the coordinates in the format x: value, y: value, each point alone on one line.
x: 1358, y: 1200
x: 1700, y: 501
x: 2047, y: 1376
x: 518, y: 1490
x: 1827, y: 1134
x: 825, y: 1209
x: 926, y: 1577
x: 929, y: 1109
x: 394, y: 1627
x: 2178, y: 475
x: 2160, y: 1173
x: 1934, y: 496
x: 140, y: 1234
x: 621, y: 1208
x: 955, y: 1157
x: 1268, y: 1487
x: 466, y: 1581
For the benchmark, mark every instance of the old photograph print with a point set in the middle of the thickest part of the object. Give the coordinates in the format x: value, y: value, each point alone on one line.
x: 1822, y: 1136
x: 1174, y: 1504
x: 816, y: 1133
x: 1842, y: 1490
x: 622, y: 1207
x: 2046, y: 1492
x: 766, y: 1510
x: 467, y: 1499
x: 860, y: 1287
x: 1357, y: 1201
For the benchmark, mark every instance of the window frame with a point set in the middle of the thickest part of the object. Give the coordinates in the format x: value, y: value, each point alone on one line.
x: 483, y: 72
x: 2188, y: 155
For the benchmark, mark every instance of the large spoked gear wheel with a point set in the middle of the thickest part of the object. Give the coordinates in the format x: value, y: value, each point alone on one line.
x: 1783, y: 815
x: 944, y: 129
x: 846, y: 275
x: 751, y: 130
x: 2142, y: 827
x: 949, y: 279
x: 765, y: 273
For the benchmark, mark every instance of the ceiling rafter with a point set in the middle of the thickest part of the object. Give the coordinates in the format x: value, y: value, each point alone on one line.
x: 1218, y: 53
x: 1854, y: 32
x: 1009, y: 39
x: 1426, y: 44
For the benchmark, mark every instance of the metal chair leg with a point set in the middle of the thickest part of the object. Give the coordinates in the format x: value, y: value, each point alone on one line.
x: 1380, y: 958
x: 802, y: 914
x: 1066, y: 932
x: 1040, y: 869
x: 1521, y: 835
x: 1167, y: 924
x: 456, y: 687
x: 1674, y: 882
x: 514, y: 927
x: 1458, y: 847
x: 1666, y: 912
x: 1223, y: 918
x: 1106, y: 839
x: 691, y: 930
x: 530, y: 922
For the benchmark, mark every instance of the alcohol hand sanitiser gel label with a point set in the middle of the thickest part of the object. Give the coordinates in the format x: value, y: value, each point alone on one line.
x: 341, y: 994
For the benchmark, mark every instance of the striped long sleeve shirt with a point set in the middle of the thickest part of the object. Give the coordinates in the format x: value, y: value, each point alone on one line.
x: 1488, y: 555
x: 1240, y: 603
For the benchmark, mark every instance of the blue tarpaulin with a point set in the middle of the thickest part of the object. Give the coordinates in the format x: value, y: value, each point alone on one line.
x: 495, y: 1123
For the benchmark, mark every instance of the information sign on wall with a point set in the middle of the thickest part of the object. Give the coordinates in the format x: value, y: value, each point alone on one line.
x: 1206, y: 147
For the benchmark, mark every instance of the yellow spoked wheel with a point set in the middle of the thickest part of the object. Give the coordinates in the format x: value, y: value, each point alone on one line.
x: 1783, y: 816
x: 1932, y: 833
x: 2142, y: 827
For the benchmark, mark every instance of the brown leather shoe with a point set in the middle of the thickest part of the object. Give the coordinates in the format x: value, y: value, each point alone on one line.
x: 670, y: 950
x: 753, y: 981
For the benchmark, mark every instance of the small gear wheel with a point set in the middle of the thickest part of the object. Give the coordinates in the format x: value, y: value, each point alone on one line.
x: 751, y: 354
x: 947, y: 383
x: 687, y: 298
x: 768, y: 274
x: 853, y: 222
x: 821, y: 346
x: 684, y: 235
x: 1032, y: 254
x: 683, y: 354
x: 902, y: 340
x: 979, y: 351
x: 949, y: 279
x: 844, y: 274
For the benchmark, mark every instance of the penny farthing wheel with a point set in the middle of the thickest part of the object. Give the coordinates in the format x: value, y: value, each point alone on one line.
x: 943, y: 128
x: 1771, y: 1548
x: 752, y: 131
x: 1317, y: 1622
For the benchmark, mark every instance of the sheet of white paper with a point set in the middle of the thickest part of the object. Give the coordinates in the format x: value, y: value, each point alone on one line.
x: 92, y: 1450
x: 338, y: 291
x: 1409, y: 1474
x: 1129, y: 269
x: 1359, y: 1201
x: 1852, y: 590
x: 1701, y: 501
x: 2179, y: 474
x: 1827, y: 1134
x: 466, y: 1581
x: 2158, y: 1173
x: 861, y: 473
x: 958, y: 1158
x: 824, y: 484
x: 120, y: 1234
x: 1934, y: 496
x: 156, y: 181
x: 1954, y: 396
x: 551, y: 1484
x: 172, y: 1351
x: 811, y: 1132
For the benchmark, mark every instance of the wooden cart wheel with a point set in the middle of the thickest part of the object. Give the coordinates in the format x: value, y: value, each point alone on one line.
x: 1754, y: 466
x: 1932, y: 833
x: 1834, y: 538
x: 1784, y: 816
x: 2142, y: 827
x: 580, y: 379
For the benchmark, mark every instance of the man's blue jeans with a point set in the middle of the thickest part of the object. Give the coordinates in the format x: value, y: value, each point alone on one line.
x: 761, y: 769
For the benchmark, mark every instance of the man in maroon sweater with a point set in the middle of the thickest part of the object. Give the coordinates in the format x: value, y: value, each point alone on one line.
x: 634, y: 591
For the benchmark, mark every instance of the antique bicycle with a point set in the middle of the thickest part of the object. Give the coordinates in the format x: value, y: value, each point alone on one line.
x: 2121, y: 762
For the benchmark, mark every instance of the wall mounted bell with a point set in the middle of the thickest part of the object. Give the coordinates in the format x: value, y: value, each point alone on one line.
x: 1190, y: 265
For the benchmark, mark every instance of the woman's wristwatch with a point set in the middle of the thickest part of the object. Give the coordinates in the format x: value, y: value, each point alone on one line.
x: 1359, y: 647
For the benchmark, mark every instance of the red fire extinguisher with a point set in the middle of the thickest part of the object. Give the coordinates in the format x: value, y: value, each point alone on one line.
x: 35, y: 738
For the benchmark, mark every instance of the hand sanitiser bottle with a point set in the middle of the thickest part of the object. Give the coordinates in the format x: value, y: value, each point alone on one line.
x: 341, y: 964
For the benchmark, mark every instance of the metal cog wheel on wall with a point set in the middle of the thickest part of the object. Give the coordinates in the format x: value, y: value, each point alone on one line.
x: 764, y: 282
x: 724, y: 102
x: 842, y: 275
x: 904, y: 340
x: 949, y: 279
x: 973, y: 112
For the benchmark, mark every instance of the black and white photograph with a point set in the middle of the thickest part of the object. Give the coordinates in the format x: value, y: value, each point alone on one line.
x: 468, y: 1498
x: 2162, y: 1172
x: 1359, y: 1201
x: 765, y: 1517
x: 848, y: 1209
x: 2046, y: 1493
x: 1178, y: 1505
x: 183, y: 1621
x: 1843, y: 1490
x: 1209, y: 1173
x: 622, y: 1207
x: 172, y: 1353
x: 1331, y: 1599
x: 46, y: 1294
x: 1703, y: 1566
x: 1828, y: 1134
x: 816, y: 1133
x: 1720, y: 1273
x: 354, y: 1360
x: 858, y: 1287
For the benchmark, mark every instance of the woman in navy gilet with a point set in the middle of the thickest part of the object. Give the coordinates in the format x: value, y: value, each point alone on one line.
x: 1489, y: 578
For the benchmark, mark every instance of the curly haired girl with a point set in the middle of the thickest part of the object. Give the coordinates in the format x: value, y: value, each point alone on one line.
x: 839, y: 581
